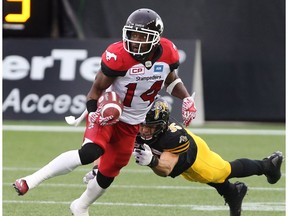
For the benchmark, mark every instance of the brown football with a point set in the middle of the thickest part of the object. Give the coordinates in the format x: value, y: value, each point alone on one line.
x: 112, y: 104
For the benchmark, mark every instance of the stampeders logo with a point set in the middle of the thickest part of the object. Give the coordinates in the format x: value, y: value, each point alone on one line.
x: 110, y: 55
x: 154, y: 77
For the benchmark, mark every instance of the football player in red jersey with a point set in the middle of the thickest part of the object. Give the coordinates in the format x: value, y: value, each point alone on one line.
x: 170, y: 150
x: 136, y: 68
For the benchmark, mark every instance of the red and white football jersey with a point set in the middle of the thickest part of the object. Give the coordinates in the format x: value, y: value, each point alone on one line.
x: 136, y: 84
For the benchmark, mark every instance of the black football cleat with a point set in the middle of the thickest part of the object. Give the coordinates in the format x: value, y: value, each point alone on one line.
x: 235, y: 197
x: 273, y: 167
x: 21, y: 187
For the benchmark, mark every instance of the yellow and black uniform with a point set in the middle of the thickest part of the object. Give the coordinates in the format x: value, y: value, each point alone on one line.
x: 196, y: 161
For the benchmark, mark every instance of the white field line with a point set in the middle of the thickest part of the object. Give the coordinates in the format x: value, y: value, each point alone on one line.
x: 264, y: 132
x: 84, y: 170
x: 257, y: 206
x: 124, y: 170
x: 154, y: 187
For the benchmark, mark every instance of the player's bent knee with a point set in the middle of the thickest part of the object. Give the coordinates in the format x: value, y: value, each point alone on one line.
x: 104, y: 181
x: 89, y: 153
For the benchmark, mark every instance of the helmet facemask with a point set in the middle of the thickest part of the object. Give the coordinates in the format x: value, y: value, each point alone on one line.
x: 157, y: 127
x: 143, y: 47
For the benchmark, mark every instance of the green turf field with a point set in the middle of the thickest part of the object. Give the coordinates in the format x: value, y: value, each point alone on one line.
x: 137, y: 191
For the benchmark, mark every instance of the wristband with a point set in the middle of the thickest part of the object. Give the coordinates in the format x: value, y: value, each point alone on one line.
x: 91, y: 105
x: 154, y: 162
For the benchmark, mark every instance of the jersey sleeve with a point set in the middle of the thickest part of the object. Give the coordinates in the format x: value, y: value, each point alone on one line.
x: 112, y: 62
x: 170, y: 54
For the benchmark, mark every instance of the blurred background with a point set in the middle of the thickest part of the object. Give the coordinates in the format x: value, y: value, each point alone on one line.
x: 232, y: 54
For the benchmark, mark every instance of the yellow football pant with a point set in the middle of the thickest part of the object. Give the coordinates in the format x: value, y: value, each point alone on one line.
x: 208, y: 166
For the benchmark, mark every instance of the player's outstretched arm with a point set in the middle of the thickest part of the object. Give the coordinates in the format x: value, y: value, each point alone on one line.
x: 167, y: 161
x: 162, y: 166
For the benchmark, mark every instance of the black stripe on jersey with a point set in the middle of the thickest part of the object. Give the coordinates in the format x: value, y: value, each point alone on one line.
x: 111, y: 73
x: 179, y: 149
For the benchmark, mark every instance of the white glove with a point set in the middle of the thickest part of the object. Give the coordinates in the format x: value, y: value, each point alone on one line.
x: 95, y: 117
x: 145, y: 156
x: 188, y: 109
x: 90, y: 175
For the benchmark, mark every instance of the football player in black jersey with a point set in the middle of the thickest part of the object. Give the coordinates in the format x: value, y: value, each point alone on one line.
x: 171, y: 150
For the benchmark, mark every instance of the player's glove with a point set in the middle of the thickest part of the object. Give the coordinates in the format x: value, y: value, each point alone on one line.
x: 90, y: 175
x: 188, y: 109
x: 145, y: 157
x: 95, y: 117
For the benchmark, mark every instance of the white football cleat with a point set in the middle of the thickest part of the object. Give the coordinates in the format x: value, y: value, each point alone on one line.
x: 76, y: 210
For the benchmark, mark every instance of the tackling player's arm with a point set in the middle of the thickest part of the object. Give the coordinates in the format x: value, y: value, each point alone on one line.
x: 166, y: 163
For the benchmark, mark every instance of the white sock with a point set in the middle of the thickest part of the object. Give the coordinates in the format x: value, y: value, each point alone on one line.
x: 63, y: 164
x: 90, y: 195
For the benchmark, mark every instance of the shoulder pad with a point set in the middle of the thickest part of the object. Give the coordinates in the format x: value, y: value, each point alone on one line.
x: 170, y: 52
x: 116, y: 58
x: 176, y: 139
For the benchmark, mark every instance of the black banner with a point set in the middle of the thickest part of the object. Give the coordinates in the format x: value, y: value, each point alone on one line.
x: 47, y: 79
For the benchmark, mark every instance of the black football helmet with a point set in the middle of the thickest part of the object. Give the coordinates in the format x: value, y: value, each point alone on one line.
x: 148, y: 23
x: 158, y: 117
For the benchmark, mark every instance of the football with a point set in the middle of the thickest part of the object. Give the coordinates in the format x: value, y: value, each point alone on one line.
x: 112, y: 104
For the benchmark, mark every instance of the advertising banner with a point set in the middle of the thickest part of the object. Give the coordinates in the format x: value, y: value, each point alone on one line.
x: 45, y: 79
